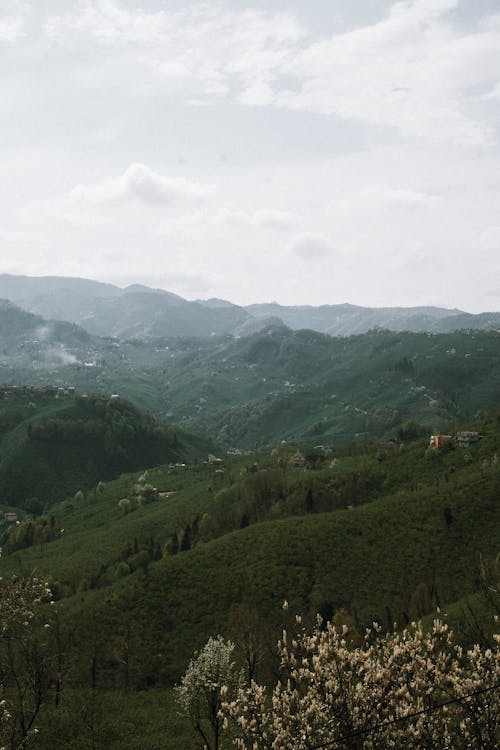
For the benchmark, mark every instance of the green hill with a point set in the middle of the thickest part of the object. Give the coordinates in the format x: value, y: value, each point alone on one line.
x: 272, y: 385
x: 145, y: 567
x: 302, y: 385
x: 53, y: 443
x: 405, y: 530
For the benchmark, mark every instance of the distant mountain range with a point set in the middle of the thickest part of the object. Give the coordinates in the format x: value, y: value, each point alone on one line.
x: 142, y: 312
x: 267, y: 386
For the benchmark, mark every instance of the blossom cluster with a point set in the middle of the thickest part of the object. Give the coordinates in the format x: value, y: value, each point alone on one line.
x: 20, y: 601
x: 413, y: 689
x: 210, y: 676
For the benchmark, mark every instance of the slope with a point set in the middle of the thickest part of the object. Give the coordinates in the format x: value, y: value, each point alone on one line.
x: 416, y: 540
x: 52, y: 445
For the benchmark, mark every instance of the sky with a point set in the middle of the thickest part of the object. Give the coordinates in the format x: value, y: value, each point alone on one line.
x: 298, y: 151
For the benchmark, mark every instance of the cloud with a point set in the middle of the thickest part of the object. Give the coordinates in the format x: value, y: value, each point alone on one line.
x: 415, y: 72
x: 489, y: 239
x: 257, y: 94
x: 14, y: 235
x: 274, y: 219
x: 205, y: 45
x: 493, y: 95
x: 263, y: 218
x: 58, y: 354
x: 379, y: 197
x: 412, y: 72
x: 311, y: 247
x: 139, y: 182
x: 11, y: 28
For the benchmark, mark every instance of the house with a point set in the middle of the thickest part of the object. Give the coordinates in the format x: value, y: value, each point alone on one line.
x: 10, y: 517
x: 437, y: 441
x: 214, y: 459
x: 467, y: 437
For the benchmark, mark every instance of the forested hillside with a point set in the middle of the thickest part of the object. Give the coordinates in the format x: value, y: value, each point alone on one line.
x: 151, y: 564
x: 54, y: 443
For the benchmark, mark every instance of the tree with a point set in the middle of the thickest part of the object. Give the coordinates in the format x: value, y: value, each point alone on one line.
x: 25, y: 659
x: 124, y: 504
x: 252, y: 637
x: 210, y: 673
x: 411, y: 689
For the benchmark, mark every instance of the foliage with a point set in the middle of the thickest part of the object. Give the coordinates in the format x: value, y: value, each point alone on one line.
x: 30, y: 531
x: 25, y: 659
x: 201, y: 690
x: 411, y: 689
x: 65, y: 448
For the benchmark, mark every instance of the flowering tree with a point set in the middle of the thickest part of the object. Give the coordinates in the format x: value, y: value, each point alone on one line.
x: 24, y: 659
x: 210, y: 673
x: 411, y: 689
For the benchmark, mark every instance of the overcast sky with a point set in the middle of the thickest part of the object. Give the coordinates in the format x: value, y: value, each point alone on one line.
x: 303, y: 151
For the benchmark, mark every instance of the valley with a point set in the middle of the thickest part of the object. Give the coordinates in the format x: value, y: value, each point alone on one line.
x: 176, y: 488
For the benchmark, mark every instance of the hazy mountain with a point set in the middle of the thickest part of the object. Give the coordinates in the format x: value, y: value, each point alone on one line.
x: 139, y: 311
x: 487, y: 321
x: 345, y: 320
x: 28, y: 340
x: 107, y: 310
x: 255, y: 325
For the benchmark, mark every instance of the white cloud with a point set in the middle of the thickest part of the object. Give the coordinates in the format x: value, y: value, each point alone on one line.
x: 232, y: 218
x: 411, y: 72
x: 415, y: 72
x: 489, y: 239
x: 274, y: 219
x: 311, y: 247
x: 16, y: 235
x: 257, y: 94
x: 492, y: 95
x: 139, y: 184
x: 11, y: 29
x: 377, y: 197
x: 204, y: 45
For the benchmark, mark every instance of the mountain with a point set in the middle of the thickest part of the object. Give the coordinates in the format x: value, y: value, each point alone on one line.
x: 139, y: 311
x: 28, y: 340
x: 345, y: 320
x: 266, y: 386
x: 107, y: 310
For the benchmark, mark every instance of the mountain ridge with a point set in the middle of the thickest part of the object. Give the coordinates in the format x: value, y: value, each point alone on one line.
x: 140, y: 311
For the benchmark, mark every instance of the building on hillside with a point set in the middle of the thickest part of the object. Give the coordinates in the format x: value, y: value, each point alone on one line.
x: 437, y: 441
x: 10, y: 517
x: 467, y: 437
x: 214, y: 459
